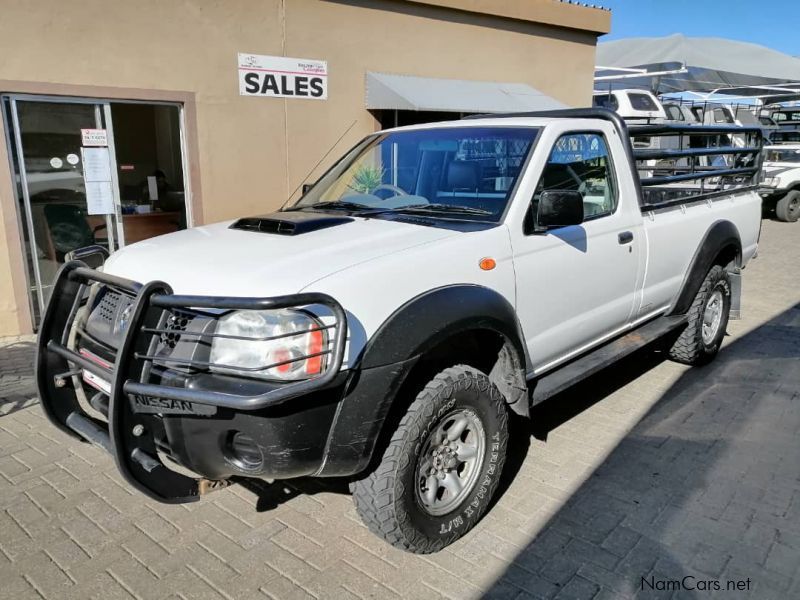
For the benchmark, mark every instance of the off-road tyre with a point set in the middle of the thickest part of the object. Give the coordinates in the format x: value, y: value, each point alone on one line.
x: 690, y: 348
x: 788, y: 208
x: 388, y: 500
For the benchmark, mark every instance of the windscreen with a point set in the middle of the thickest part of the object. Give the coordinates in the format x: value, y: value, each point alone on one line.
x: 784, y: 155
x: 460, y: 172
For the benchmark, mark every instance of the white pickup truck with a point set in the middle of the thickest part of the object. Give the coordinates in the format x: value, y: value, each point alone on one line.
x: 781, y: 191
x: 436, y: 279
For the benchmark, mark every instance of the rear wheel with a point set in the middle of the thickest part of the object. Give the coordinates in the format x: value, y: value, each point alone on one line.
x: 442, y: 465
x: 699, y: 343
x: 788, y: 207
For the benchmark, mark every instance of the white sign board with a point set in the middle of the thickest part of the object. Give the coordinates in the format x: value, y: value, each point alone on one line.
x: 96, y: 164
x: 99, y: 198
x: 94, y: 137
x: 282, y: 77
x: 97, y: 178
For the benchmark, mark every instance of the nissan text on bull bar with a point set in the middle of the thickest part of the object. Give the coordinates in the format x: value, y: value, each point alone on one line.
x: 437, y: 280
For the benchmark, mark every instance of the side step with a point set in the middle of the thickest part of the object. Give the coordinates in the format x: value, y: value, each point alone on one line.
x: 598, y: 359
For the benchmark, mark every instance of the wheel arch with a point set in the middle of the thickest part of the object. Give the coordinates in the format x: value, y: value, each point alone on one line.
x: 456, y: 324
x: 721, y: 245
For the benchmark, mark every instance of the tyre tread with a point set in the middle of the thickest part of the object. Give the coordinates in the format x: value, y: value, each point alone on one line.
x: 375, y: 495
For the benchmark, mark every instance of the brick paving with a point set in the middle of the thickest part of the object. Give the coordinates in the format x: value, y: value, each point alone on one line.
x: 649, y: 471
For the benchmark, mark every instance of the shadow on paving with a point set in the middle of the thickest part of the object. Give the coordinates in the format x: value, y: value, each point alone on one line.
x: 706, y: 486
x: 17, y: 389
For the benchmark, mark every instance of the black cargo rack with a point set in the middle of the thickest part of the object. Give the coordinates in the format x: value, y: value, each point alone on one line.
x: 59, y: 365
x: 697, y: 147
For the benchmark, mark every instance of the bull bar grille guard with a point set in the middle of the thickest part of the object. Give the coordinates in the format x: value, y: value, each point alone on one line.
x: 137, y: 456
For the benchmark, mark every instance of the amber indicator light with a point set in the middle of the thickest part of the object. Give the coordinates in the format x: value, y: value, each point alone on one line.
x: 487, y: 264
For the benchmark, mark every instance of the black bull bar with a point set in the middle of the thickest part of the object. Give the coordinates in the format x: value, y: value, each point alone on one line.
x: 58, y: 367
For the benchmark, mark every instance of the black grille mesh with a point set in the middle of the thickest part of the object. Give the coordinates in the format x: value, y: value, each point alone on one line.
x: 107, y: 307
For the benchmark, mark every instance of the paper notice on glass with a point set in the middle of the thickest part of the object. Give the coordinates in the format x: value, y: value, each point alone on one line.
x: 96, y: 164
x: 152, y: 187
x: 99, y: 198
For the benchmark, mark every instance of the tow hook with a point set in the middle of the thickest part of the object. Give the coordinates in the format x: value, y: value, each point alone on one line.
x: 61, y: 379
x: 206, y: 486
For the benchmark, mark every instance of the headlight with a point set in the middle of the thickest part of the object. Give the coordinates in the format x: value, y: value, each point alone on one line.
x: 770, y: 181
x: 290, y: 340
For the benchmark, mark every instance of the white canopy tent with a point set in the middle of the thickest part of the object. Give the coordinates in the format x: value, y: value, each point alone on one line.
x: 677, y: 63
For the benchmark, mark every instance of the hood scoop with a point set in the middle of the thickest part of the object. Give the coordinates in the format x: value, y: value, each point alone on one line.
x: 289, y: 222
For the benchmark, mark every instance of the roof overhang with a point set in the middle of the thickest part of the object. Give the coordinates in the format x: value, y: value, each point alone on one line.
x: 571, y: 15
x: 406, y: 92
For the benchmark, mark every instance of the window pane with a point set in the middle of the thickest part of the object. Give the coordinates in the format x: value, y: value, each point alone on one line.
x: 580, y: 162
x: 642, y: 102
x: 606, y: 101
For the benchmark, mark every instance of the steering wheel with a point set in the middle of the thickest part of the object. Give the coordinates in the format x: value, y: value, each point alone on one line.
x: 392, y: 188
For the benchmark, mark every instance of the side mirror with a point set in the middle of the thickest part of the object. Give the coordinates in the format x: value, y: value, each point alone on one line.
x: 558, y: 208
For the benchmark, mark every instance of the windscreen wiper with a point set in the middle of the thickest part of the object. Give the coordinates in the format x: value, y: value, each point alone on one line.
x: 443, y: 208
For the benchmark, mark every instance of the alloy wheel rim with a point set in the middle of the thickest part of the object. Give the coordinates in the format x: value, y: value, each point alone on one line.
x: 450, y: 462
x: 712, y: 317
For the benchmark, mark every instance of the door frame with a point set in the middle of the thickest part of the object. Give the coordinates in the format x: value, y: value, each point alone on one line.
x: 9, y: 213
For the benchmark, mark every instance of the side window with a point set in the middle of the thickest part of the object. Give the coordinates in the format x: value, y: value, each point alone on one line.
x: 606, y: 101
x: 674, y: 112
x: 642, y: 102
x: 581, y: 162
x: 722, y: 116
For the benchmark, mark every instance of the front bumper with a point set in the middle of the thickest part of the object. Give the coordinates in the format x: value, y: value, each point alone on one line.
x: 142, y: 376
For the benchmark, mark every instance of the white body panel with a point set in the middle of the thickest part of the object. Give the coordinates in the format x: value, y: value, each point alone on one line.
x: 572, y: 287
x: 781, y: 174
x: 674, y: 234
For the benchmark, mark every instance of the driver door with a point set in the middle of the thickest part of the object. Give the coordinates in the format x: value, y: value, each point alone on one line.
x: 576, y: 285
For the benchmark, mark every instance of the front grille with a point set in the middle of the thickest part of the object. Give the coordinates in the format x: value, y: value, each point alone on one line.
x: 176, y: 322
x: 107, y: 307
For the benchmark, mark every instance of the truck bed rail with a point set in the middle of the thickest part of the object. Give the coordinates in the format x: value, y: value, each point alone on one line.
x: 677, y: 164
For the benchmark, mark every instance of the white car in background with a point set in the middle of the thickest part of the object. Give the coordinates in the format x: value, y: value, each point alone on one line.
x: 680, y: 113
x: 781, y: 191
x: 632, y: 105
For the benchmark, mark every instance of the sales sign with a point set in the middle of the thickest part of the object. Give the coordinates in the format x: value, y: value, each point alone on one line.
x: 282, y: 77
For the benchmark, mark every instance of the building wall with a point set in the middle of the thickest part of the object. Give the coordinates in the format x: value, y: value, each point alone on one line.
x: 253, y: 153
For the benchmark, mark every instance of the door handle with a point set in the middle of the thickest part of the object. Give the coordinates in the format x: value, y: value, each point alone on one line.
x: 626, y: 237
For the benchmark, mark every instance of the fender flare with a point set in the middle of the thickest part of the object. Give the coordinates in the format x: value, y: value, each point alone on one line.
x: 432, y: 317
x: 392, y: 352
x: 722, y: 235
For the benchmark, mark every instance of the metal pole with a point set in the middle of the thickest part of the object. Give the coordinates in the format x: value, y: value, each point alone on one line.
x: 98, y: 123
x: 26, y: 201
x: 112, y: 158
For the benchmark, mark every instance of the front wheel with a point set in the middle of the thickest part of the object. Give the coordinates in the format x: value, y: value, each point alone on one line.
x: 699, y: 343
x: 442, y: 465
x: 788, y: 208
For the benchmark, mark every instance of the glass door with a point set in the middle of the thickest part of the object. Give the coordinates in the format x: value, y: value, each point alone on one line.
x: 92, y: 172
x: 65, y: 176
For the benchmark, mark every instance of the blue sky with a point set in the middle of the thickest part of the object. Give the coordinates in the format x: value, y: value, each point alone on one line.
x: 771, y: 23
